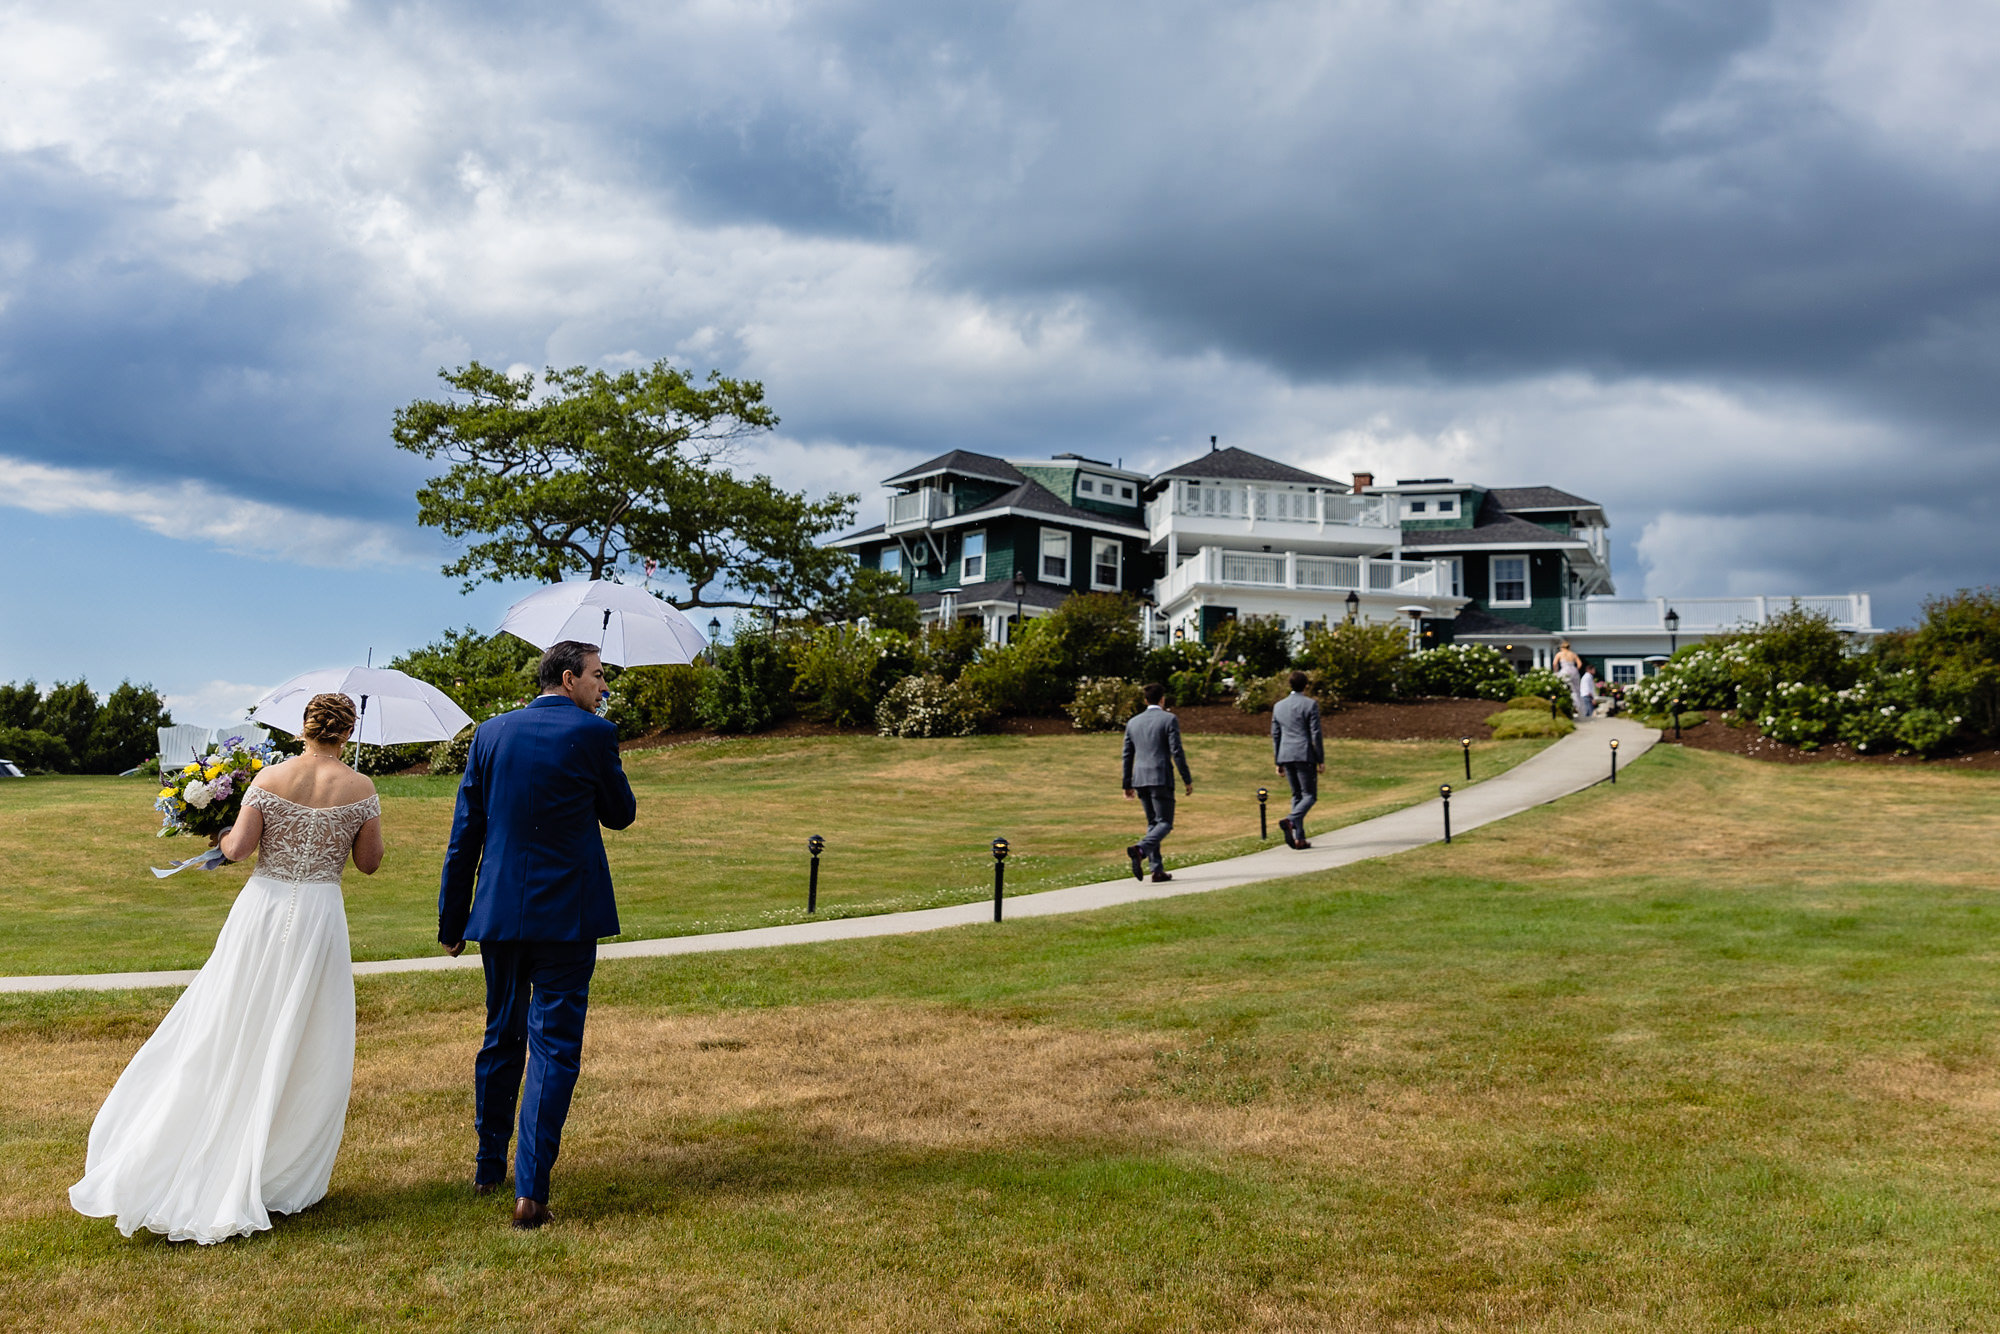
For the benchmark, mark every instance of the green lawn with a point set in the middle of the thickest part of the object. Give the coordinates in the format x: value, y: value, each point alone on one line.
x: 1710, y: 1050
x: 719, y: 844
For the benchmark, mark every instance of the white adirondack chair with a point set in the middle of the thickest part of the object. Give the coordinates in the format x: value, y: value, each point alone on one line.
x: 181, y: 744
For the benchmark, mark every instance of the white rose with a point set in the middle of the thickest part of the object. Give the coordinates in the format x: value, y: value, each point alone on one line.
x: 197, y: 794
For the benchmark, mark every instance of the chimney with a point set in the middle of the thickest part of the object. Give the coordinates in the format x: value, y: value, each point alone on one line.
x: 1362, y: 481
x: 1211, y: 444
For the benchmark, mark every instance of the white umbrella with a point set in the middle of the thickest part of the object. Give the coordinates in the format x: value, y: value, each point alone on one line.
x: 393, y: 707
x: 630, y: 626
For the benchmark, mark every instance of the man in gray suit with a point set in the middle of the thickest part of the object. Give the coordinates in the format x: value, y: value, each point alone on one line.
x: 1300, y: 752
x: 1152, y: 753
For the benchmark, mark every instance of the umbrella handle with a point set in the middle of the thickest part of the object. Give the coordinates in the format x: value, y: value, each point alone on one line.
x: 359, y: 719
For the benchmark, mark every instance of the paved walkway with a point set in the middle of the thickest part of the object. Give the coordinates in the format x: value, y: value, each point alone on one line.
x: 1576, y: 762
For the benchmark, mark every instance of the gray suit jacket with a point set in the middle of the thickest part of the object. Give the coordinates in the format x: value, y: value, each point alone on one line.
x: 1295, y: 734
x: 1153, y: 750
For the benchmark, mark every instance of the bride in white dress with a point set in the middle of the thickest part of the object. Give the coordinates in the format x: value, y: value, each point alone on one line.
x: 234, y: 1108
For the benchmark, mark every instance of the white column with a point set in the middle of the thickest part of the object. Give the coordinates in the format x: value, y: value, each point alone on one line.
x: 1173, y: 550
x: 1291, y: 569
x: 1763, y: 609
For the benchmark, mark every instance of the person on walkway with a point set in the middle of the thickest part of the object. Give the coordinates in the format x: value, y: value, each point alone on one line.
x: 538, y: 783
x: 1152, y: 753
x: 1569, y: 668
x: 233, y: 1110
x: 1586, y: 693
x: 1299, y: 750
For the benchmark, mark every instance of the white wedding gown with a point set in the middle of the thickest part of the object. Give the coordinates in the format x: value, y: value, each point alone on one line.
x: 234, y: 1108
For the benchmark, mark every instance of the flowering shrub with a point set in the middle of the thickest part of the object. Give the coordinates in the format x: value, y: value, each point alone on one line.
x: 1258, y: 695
x: 449, y: 757
x: 929, y: 705
x: 1462, y: 671
x: 1544, y: 685
x: 651, y: 699
x: 750, y: 686
x: 1104, y: 703
x: 204, y: 798
x: 1358, y: 661
x: 839, y: 672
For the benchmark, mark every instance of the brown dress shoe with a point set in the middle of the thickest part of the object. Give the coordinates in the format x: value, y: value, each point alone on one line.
x: 1161, y: 877
x: 485, y: 1187
x: 530, y: 1213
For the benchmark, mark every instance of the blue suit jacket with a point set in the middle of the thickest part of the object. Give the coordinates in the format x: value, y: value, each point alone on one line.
x: 537, y: 784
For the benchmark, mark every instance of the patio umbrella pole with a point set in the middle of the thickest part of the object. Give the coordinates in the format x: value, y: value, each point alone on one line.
x: 358, y: 720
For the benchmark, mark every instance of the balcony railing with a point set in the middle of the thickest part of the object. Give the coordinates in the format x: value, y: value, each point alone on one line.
x: 1301, y: 573
x: 1848, y: 611
x: 1247, y: 503
x: 918, y: 507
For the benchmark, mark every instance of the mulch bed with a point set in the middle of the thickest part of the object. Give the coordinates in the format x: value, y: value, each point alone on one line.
x: 1748, y: 741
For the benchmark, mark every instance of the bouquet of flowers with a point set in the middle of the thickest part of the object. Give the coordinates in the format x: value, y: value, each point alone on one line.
x: 205, y: 797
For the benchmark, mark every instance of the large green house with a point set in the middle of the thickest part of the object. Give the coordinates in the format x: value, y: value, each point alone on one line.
x: 973, y: 535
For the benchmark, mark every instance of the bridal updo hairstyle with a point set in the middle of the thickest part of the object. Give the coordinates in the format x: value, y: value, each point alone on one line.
x: 329, y: 719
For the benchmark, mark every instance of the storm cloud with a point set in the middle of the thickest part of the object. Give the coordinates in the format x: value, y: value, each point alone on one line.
x: 1726, y: 267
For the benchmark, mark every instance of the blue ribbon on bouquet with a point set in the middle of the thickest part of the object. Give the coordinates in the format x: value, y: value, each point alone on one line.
x: 207, y: 861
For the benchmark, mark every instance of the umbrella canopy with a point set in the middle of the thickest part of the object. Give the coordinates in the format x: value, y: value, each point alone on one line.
x: 394, y: 707
x: 630, y: 626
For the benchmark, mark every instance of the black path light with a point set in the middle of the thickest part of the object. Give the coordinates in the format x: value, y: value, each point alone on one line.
x: 815, y: 845
x: 1263, y: 829
x: 999, y: 874
x: 1465, y: 744
x: 1444, y: 795
x: 1614, y: 759
x: 1676, y: 706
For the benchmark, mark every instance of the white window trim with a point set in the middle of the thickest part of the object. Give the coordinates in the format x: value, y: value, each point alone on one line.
x: 1456, y: 566
x: 965, y: 576
x: 1117, y: 561
x: 1493, y: 583
x: 890, y: 554
x: 1611, y: 666
x: 1069, y: 557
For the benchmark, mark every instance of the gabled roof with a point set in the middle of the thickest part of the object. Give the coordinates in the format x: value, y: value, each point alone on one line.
x: 1034, y: 498
x: 1522, y: 499
x: 961, y: 463
x: 1240, y: 465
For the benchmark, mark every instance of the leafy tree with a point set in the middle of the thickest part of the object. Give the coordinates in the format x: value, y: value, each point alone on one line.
x: 69, y: 711
x: 589, y: 473
x: 1260, y: 643
x: 1094, y: 634
x: 486, y: 674
x: 35, y: 750
x: 750, y: 686
x: 124, y: 734
x: 1957, y: 649
x: 20, y: 705
x: 872, y: 593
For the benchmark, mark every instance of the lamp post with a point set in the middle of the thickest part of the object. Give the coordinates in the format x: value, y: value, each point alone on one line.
x: 1676, y: 706
x: 1614, y: 759
x: 815, y: 845
x: 1673, y: 619
x: 1263, y: 829
x: 714, y: 628
x: 999, y: 874
x: 1353, y: 606
x: 1465, y: 744
x: 1444, y: 796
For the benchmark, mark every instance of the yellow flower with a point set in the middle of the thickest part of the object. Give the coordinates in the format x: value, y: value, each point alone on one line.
x: 255, y: 765
x: 214, y: 772
x: 192, y: 769
x: 166, y: 792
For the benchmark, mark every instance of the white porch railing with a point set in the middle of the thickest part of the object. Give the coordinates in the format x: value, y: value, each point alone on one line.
x: 1310, y: 574
x: 918, y: 507
x: 1250, y: 502
x: 1848, y: 611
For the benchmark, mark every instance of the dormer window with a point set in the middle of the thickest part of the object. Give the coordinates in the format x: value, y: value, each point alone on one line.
x: 1448, y: 506
x: 1087, y: 486
x: 1417, y: 507
x: 1124, y: 493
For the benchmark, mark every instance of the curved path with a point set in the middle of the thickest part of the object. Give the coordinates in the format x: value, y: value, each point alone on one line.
x: 1578, y: 761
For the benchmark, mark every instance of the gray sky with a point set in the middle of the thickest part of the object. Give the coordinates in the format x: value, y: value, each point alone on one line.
x: 1729, y: 268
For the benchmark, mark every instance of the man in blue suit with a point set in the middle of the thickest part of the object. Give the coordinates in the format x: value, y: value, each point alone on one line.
x: 537, y: 784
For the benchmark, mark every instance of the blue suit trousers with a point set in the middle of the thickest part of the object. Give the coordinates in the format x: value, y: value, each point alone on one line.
x: 536, y: 996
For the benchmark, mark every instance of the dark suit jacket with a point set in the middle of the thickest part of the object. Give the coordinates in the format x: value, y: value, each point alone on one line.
x: 537, y: 784
x: 1153, y: 750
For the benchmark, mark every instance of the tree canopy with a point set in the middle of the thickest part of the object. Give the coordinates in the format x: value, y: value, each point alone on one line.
x: 589, y: 473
